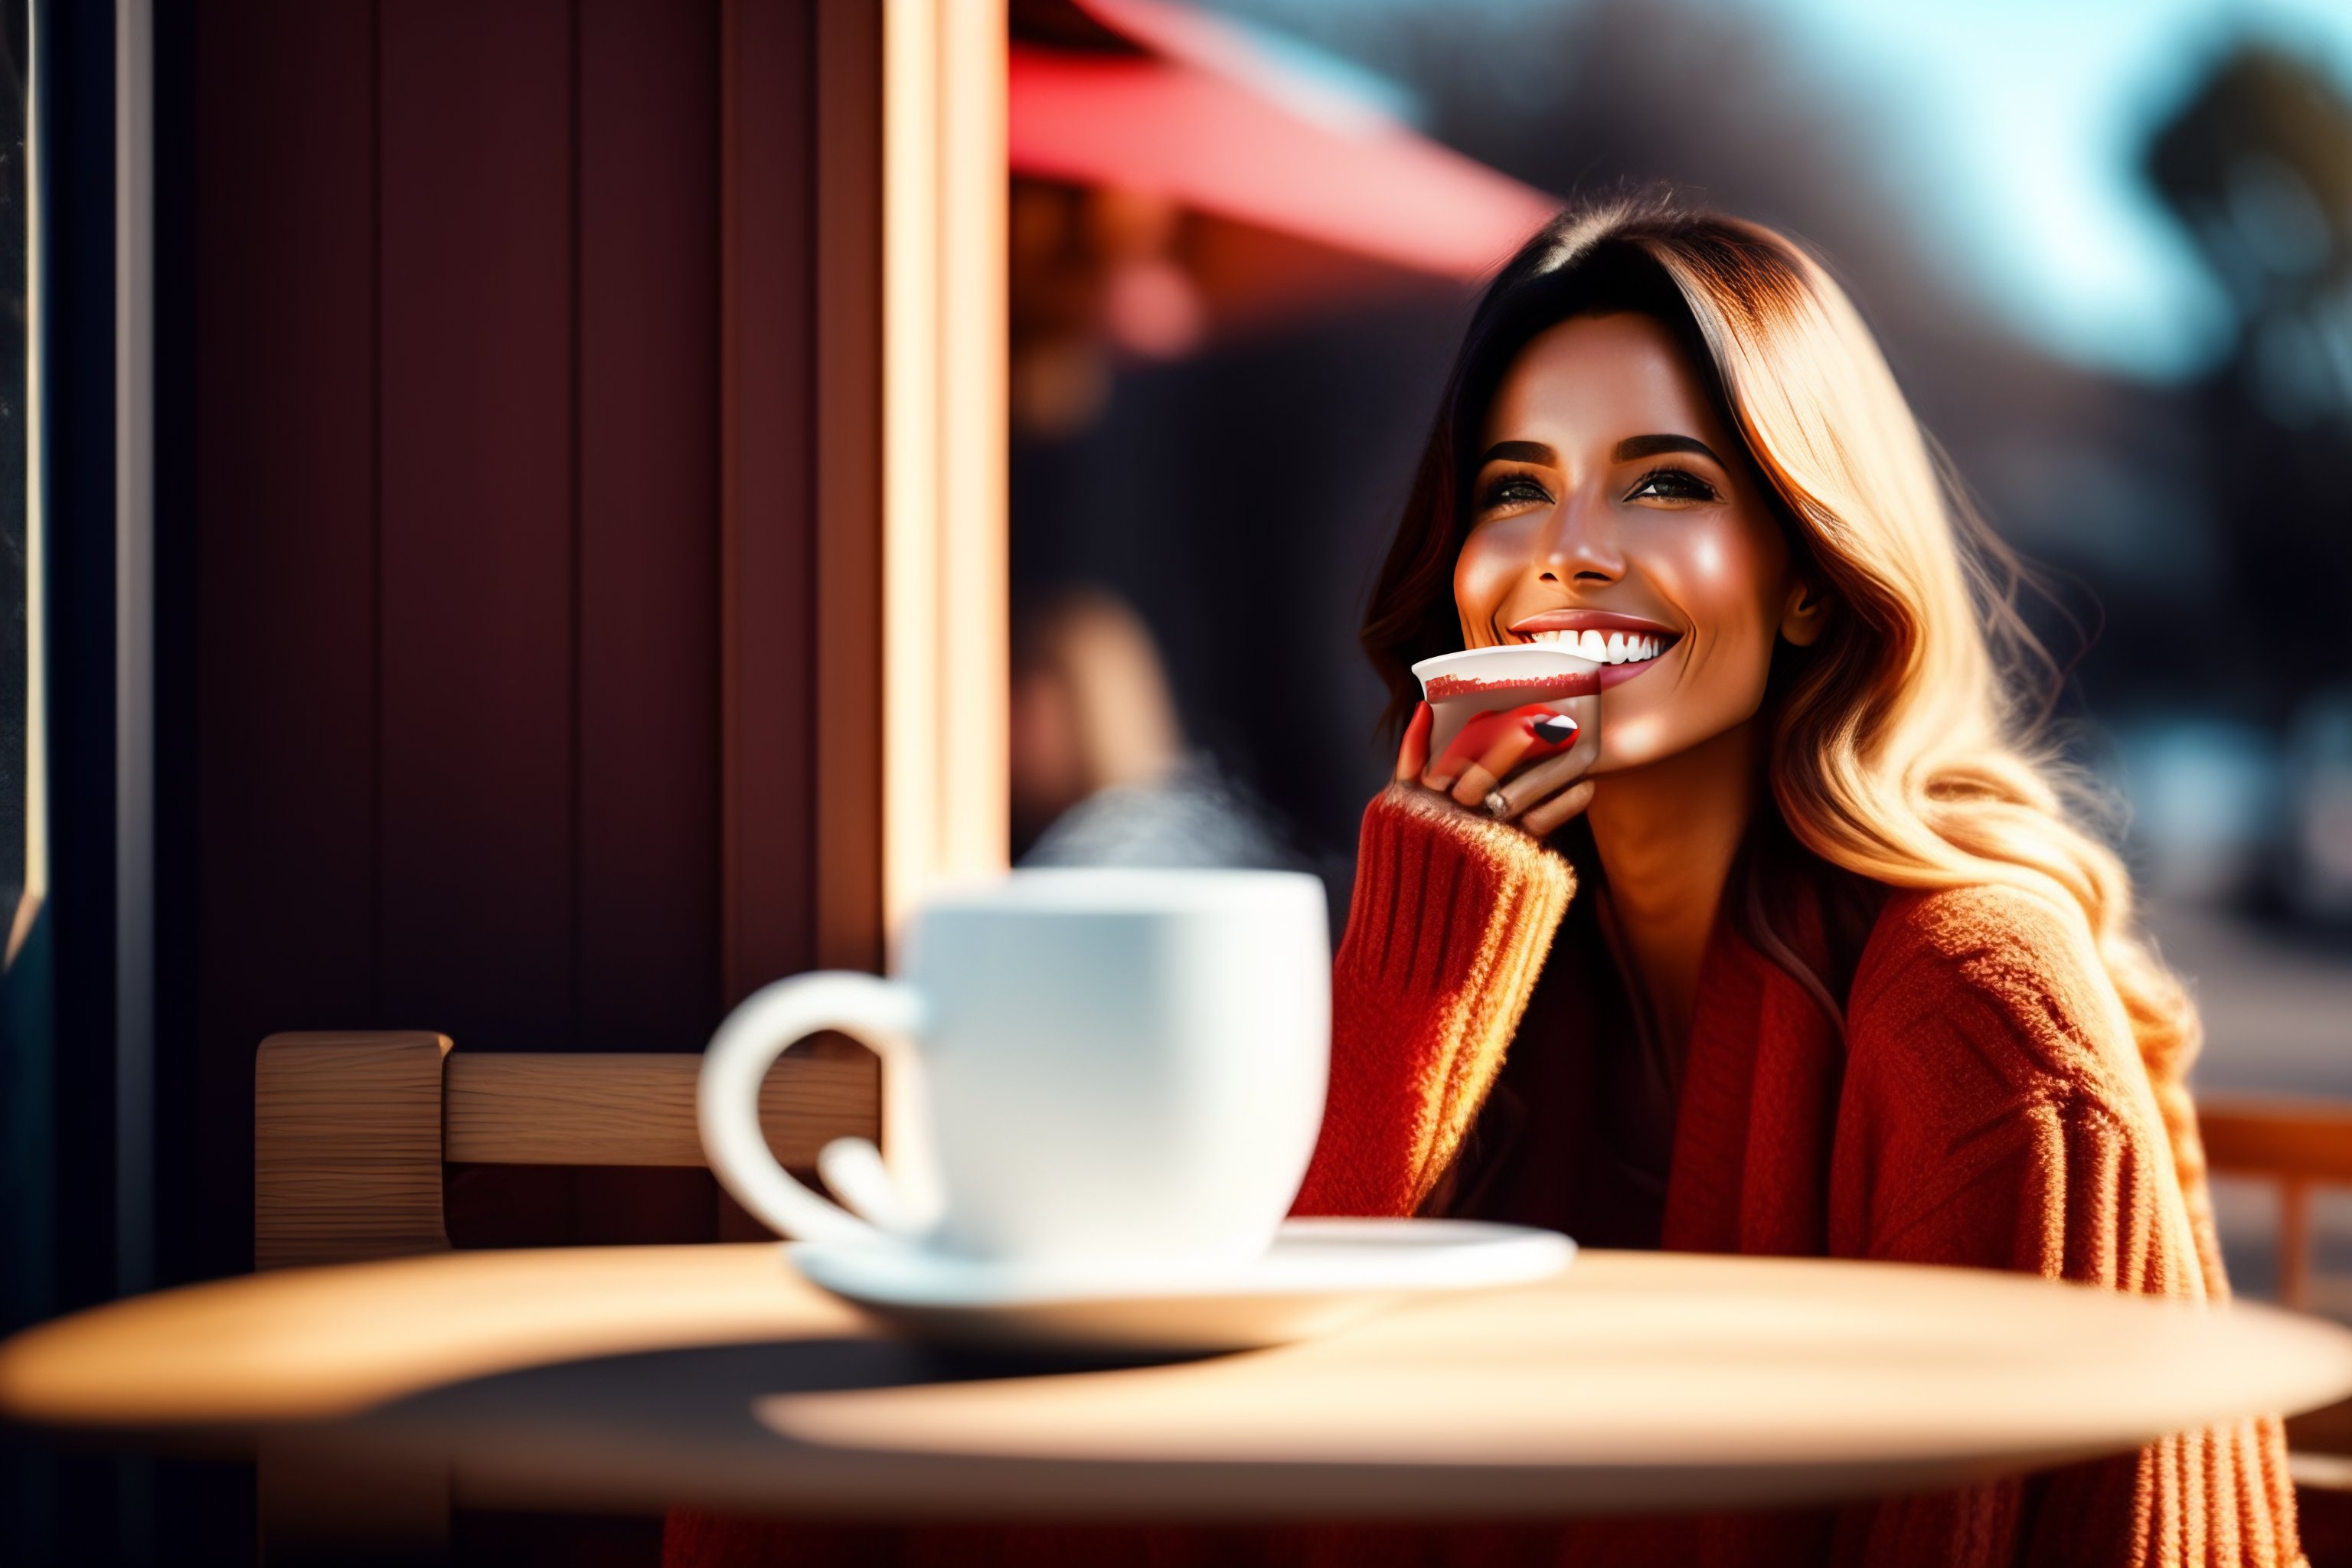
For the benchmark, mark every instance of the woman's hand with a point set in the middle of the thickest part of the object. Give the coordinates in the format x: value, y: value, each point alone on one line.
x: 1515, y: 766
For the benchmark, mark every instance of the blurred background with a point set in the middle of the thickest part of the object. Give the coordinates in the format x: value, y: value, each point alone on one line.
x: 2107, y: 246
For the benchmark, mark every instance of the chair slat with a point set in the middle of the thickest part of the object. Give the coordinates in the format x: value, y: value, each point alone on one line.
x: 2307, y: 1138
x: 520, y: 1109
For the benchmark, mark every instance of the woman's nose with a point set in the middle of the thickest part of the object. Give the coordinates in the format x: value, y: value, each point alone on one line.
x: 1580, y: 545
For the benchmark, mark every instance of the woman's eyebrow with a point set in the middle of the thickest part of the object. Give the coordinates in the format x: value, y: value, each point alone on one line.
x: 1634, y: 447
x: 1520, y: 452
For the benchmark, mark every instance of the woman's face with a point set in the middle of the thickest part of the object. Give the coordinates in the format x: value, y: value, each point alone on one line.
x: 1613, y: 508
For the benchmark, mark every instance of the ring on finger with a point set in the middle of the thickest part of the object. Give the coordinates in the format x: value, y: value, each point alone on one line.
x: 1498, y: 804
x: 1532, y: 785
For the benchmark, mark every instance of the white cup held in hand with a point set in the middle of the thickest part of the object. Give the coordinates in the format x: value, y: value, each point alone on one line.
x: 1460, y: 686
x: 1079, y: 1066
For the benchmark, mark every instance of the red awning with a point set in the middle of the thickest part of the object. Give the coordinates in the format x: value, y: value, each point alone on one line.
x: 1204, y: 120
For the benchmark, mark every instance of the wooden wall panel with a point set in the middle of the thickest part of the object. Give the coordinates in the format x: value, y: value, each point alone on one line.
x: 282, y: 402
x: 768, y: 478
x: 847, y: 76
x: 478, y: 572
x: 511, y: 326
x: 648, y: 544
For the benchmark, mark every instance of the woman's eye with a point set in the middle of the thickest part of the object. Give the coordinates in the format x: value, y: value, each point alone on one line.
x: 1670, y: 484
x: 1514, y: 490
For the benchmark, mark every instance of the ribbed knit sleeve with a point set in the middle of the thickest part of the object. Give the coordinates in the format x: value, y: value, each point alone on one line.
x: 1998, y: 1116
x: 1447, y: 932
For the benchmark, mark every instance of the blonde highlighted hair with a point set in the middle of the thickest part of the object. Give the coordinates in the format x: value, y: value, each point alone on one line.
x: 1902, y: 748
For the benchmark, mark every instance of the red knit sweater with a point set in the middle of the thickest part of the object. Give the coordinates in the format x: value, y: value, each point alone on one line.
x: 1985, y: 1106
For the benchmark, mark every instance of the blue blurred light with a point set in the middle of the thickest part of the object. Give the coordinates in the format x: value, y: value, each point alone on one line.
x: 2017, y: 126
x: 2026, y: 120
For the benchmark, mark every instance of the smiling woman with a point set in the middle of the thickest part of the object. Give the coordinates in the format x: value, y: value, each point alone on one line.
x: 1806, y: 958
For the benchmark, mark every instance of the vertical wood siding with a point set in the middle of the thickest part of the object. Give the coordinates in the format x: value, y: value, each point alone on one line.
x: 462, y: 367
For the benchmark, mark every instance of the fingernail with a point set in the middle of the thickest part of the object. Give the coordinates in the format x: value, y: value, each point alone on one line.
x: 1552, y: 727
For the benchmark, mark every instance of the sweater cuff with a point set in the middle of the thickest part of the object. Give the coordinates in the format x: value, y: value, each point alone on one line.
x: 1452, y: 919
x: 1437, y: 890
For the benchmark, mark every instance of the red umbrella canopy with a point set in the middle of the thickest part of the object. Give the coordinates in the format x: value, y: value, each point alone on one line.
x: 1196, y: 112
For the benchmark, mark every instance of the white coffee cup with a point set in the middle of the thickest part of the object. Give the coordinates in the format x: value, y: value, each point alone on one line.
x: 1079, y: 1066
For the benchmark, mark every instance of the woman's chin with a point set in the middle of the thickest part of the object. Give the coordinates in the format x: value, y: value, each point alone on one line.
x: 1631, y: 741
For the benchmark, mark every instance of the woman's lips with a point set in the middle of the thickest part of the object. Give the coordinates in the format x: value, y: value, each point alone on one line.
x: 1622, y: 646
x: 1590, y: 620
x: 1619, y: 674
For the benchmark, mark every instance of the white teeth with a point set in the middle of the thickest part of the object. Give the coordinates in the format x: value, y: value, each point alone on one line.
x: 1610, y: 647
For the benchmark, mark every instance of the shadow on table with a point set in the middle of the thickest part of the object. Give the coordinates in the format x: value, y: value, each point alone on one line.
x: 533, y: 1465
x: 641, y: 1432
x: 710, y: 1388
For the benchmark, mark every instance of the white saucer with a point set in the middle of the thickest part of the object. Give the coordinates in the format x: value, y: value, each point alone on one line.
x: 1319, y: 1275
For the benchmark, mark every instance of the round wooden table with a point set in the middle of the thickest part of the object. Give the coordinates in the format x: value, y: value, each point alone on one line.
x: 639, y: 1378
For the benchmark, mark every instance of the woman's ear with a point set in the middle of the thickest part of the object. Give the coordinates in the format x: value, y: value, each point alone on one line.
x: 1806, y: 614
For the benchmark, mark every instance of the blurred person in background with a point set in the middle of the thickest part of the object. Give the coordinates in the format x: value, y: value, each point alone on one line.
x: 1813, y: 961
x: 1101, y: 773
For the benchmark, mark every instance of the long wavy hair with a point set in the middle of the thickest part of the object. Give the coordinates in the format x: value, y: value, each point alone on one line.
x: 1904, y: 745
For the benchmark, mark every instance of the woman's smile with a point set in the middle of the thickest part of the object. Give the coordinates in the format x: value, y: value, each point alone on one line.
x: 1626, y: 646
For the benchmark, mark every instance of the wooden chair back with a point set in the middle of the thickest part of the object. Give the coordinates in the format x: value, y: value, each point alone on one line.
x: 351, y: 1131
x: 2299, y: 1145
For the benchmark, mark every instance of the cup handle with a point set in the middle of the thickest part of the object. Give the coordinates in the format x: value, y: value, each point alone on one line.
x: 897, y: 1198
